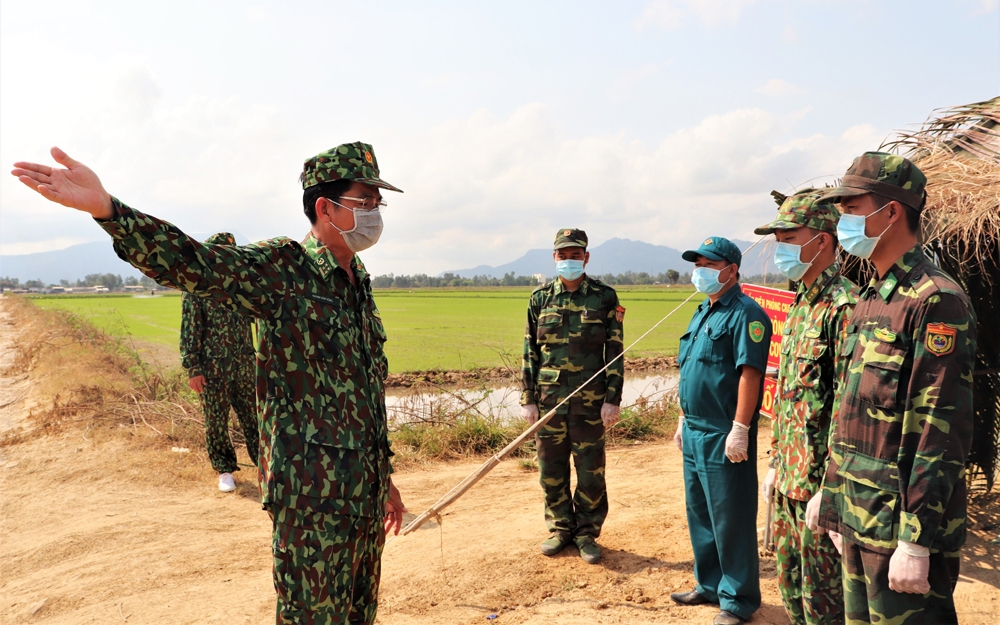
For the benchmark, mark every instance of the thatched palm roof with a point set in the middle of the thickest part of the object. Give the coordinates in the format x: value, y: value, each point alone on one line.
x: 958, y: 149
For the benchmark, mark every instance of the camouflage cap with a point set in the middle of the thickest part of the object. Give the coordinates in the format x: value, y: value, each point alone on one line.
x: 886, y: 174
x: 716, y: 248
x: 349, y: 161
x: 803, y: 209
x: 570, y: 237
x: 221, y: 238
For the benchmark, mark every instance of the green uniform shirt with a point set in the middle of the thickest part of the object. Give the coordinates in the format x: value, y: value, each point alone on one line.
x: 719, y: 340
x: 215, y: 340
x: 904, y: 428
x: 811, y: 377
x: 321, y: 366
x: 570, y: 336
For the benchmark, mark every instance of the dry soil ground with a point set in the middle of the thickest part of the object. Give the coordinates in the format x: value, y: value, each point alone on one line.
x: 98, y: 529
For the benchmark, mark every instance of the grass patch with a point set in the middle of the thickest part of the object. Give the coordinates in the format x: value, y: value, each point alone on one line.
x: 429, y: 329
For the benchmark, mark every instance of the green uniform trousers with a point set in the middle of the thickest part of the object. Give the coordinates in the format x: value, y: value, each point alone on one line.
x: 722, y: 519
x: 580, y: 513
x: 809, y: 576
x: 326, y: 567
x: 222, y: 391
x: 867, y: 598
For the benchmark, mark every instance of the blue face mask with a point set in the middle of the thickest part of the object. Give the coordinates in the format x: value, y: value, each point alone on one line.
x: 706, y: 280
x: 569, y: 269
x: 788, y: 258
x: 851, y: 232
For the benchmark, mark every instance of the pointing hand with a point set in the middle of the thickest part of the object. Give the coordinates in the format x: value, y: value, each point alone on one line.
x: 76, y: 186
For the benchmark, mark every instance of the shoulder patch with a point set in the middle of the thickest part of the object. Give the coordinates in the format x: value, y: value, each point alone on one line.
x: 620, y: 313
x: 939, y: 338
x: 756, y: 330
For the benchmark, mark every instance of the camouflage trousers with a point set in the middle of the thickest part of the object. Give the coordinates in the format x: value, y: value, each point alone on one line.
x: 221, y: 392
x: 867, y: 598
x: 326, y: 567
x: 579, y: 513
x: 809, y: 575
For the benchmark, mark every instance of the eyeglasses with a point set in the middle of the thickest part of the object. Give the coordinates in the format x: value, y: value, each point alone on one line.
x: 367, y: 203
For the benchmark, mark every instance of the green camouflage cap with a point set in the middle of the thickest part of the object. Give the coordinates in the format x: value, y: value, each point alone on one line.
x: 570, y: 237
x: 350, y: 161
x: 804, y: 209
x: 716, y: 248
x: 221, y: 238
x: 886, y: 174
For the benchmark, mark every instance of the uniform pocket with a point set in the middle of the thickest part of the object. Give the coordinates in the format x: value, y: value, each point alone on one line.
x: 592, y: 327
x: 871, y: 497
x: 809, y: 356
x: 879, y: 384
x: 718, y: 347
x: 549, y: 326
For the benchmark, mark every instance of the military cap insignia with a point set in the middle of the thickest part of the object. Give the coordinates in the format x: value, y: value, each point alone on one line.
x: 620, y: 313
x: 940, y: 339
x: 368, y: 157
x: 566, y: 233
x: 885, y: 335
x: 756, y: 330
x: 708, y: 242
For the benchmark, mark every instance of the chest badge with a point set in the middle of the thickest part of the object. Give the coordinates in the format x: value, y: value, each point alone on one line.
x: 756, y: 330
x: 885, y: 335
x: 620, y: 313
x: 813, y: 333
x: 940, y: 339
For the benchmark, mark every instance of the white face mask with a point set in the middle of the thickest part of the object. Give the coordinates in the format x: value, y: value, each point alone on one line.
x: 366, y: 231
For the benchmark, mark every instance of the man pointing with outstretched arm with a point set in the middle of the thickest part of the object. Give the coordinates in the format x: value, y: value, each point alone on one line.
x: 324, y: 448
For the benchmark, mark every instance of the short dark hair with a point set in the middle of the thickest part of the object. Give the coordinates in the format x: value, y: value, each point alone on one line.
x: 912, y: 214
x: 332, y: 190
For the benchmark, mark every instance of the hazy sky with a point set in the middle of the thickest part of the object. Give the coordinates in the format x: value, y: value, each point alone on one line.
x: 663, y: 121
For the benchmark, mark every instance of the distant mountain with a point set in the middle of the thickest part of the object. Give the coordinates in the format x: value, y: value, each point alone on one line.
x: 618, y: 256
x: 74, y: 262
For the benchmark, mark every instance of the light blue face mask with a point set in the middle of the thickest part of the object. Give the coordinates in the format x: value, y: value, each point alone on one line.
x: 851, y: 232
x: 569, y: 269
x: 788, y: 258
x: 706, y: 280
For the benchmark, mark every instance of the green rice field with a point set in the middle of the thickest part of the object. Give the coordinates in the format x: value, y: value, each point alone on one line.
x: 427, y: 328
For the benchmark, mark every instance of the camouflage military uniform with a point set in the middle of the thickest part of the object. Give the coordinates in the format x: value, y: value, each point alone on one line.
x: 321, y: 367
x: 810, y: 380
x: 216, y: 343
x: 904, y: 429
x: 570, y: 336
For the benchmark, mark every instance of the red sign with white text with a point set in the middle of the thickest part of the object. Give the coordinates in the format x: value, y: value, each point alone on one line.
x: 775, y: 303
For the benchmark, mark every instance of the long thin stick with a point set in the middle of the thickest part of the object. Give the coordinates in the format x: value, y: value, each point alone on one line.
x: 470, y: 481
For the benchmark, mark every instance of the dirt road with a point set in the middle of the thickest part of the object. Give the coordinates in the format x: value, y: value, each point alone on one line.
x: 97, y: 529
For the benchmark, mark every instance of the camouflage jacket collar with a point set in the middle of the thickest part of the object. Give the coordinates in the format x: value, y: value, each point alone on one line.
x: 584, y: 286
x: 326, y: 262
x: 896, y: 275
x: 822, y: 282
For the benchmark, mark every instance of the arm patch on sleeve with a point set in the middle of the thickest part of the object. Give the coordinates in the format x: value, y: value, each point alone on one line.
x: 756, y: 330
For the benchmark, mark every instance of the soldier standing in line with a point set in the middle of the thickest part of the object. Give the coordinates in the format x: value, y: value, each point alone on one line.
x: 217, y: 352
x: 574, y: 330
x: 324, y: 449
x: 894, y: 497
x: 810, y: 384
x: 723, y: 356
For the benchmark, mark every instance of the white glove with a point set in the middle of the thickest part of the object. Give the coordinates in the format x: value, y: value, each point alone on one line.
x: 610, y: 414
x: 679, y: 434
x: 909, y: 567
x: 767, y: 488
x: 737, y: 441
x: 812, y: 514
x: 838, y: 542
x: 529, y: 413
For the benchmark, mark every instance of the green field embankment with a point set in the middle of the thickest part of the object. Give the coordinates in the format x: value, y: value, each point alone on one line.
x: 428, y: 328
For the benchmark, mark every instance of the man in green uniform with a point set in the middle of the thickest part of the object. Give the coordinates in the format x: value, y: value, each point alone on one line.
x: 894, y: 497
x: 574, y: 330
x: 217, y: 352
x: 810, y: 384
x: 321, y: 367
x: 722, y: 357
